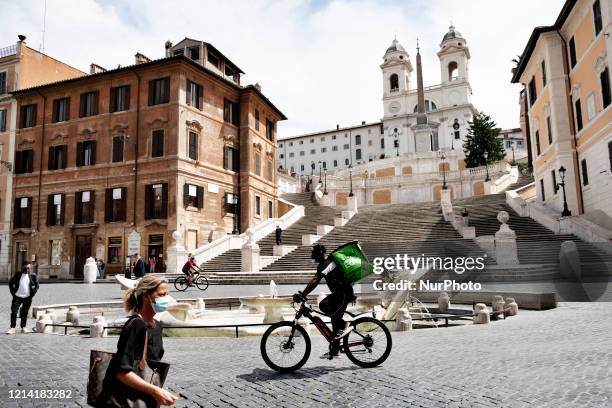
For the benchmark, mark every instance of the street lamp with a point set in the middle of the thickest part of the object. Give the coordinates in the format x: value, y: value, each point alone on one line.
x: 351, y: 180
x: 325, y: 182
x: 320, y: 171
x: 566, y: 212
x: 312, y: 166
x: 395, y: 134
x: 486, y: 156
x: 444, y: 187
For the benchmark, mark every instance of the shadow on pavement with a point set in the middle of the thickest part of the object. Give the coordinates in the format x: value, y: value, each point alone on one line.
x: 262, y: 374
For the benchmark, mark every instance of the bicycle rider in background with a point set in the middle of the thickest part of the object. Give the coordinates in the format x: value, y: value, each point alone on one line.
x: 190, y: 266
x: 336, y: 303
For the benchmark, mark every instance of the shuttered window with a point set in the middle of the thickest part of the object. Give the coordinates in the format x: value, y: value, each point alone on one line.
x: 115, y: 204
x: 156, y: 201
x: 86, y: 153
x: 157, y: 143
x: 230, y: 112
x: 24, y: 161
x: 193, y: 146
x: 193, y: 196
x: 117, y: 149
x: 120, y: 98
x: 22, y: 212
x: 84, y: 207
x: 56, y: 208
x: 159, y: 91
x: 231, y: 159
x: 89, y: 104
x: 61, y: 110
x: 28, y: 116
x: 195, y: 95
x: 58, y: 157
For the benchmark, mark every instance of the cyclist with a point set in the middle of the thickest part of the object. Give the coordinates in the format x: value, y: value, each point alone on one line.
x: 188, y: 267
x: 336, y: 303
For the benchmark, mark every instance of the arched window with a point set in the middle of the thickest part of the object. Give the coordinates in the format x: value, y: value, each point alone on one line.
x: 394, y: 82
x: 429, y: 106
x: 453, y: 71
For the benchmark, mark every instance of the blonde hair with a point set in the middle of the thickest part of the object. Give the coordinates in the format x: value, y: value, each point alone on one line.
x: 132, y: 298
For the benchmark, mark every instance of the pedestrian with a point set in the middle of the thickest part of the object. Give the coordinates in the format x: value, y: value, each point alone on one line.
x: 139, y: 267
x: 152, y: 264
x: 279, y: 233
x: 100, y: 265
x: 23, y: 286
x: 121, y: 384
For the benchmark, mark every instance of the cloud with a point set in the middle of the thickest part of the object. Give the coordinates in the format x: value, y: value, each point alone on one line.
x: 317, y: 61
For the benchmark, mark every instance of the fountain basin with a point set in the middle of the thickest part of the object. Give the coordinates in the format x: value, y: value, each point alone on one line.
x: 271, y: 306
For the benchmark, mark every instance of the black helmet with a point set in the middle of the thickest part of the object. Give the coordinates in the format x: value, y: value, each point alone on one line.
x: 318, y: 251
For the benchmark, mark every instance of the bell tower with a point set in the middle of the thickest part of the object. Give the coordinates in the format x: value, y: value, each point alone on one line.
x: 454, y: 55
x: 396, y: 69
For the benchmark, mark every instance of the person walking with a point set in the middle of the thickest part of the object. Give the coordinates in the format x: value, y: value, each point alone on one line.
x: 121, y: 384
x: 23, y: 286
x: 100, y: 265
x: 152, y: 264
x: 279, y: 233
x: 139, y: 267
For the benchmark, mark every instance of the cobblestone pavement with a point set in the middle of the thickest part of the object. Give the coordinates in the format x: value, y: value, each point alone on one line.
x: 555, y: 358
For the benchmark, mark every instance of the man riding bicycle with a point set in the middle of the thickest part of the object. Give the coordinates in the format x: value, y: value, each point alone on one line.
x: 188, y: 267
x: 336, y: 303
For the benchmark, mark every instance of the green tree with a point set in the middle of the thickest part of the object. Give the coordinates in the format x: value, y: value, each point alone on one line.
x: 482, y: 137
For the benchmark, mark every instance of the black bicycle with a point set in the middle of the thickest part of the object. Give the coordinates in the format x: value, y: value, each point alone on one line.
x: 285, y: 346
x: 181, y: 283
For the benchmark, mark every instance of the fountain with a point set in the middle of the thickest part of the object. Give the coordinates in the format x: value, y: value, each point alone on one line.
x: 272, y: 305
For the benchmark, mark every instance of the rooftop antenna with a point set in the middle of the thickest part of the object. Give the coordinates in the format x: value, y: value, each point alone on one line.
x: 44, y: 27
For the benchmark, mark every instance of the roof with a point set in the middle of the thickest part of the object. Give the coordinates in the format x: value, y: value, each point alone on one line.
x: 214, y: 49
x: 452, y: 33
x: 395, y: 46
x: 535, y: 35
x: 175, y: 58
x: 342, y: 129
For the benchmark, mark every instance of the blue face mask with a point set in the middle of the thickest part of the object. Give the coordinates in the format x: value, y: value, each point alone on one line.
x: 161, y: 304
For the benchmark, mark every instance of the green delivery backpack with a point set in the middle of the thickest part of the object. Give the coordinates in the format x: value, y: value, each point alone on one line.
x: 352, y: 261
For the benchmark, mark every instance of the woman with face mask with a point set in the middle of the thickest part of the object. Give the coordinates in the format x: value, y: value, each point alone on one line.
x: 148, y: 297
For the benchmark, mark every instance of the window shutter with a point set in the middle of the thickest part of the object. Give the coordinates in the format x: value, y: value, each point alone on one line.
x: 200, y: 198
x: 93, y: 152
x: 235, y: 160
x: 82, y: 106
x: 79, y: 158
x: 18, y: 164
x: 30, y: 164
x: 108, y: 210
x: 78, y: 207
x: 67, y: 108
x: 113, y: 100
x: 164, y: 211
x: 151, y: 92
x: 166, y: 90
x: 188, y: 92
x: 95, y: 109
x: 92, y: 205
x: 51, y: 162
x: 148, y: 201
x: 185, y: 194
x: 28, y: 221
x: 17, y: 214
x: 63, y: 213
x: 123, y: 203
x: 50, y: 210
x: 200, y: 97
x: 34, y: 113
x: 55, y: 114
x: 127, y: 97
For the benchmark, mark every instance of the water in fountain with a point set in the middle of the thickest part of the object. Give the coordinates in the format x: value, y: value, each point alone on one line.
x: 273, y: 289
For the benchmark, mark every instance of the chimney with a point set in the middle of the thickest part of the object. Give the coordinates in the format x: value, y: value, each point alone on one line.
x: 363, y: 122
x: 95, y: 69
x: 140, y: 58
x: 257, y: 86
x: 337, y: 127
x: 21, y: 37
x: 168, y: 47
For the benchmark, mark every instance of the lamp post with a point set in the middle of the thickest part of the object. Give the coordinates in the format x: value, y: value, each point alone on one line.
x: 566, y: 212
x: 396, y: 141
x: 325, y: 185
x: 312, y: 166
x: 444, y: 187
x: 512, y: 147
x: 365, y: 187
x: 486, y: 156
x: 351, y: 180
x: 319, y: 171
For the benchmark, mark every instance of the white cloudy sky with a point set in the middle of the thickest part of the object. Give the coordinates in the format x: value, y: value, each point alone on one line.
x: 318, y: 61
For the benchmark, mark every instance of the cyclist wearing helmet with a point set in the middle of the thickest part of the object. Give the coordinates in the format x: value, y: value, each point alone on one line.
x: 336, y: 303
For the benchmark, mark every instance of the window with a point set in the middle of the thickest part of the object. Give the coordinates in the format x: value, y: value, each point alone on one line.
x: 157, y: 143
x: 549, y: 130
x: 394, y: 82
x: 86, y: 153
x: 58, y: 157
x: 312, y: 165
x: 537, y: 142
x: 231, y: 203
x: 229, y: 71
x: 270, y: 209
x: 604, y: 80
x: 553, y: 178
x: 302, y: 167
x: 457, y: 135
x: 230, y: 112
x: 193, y: 146
x: 543, y: 73
x: 301, y: 142
x: 257, y: 121
x: 345, y: 147
x: 257, y: 205
x: 578, y: 112
x: 346, y: 161
x: 3, y: 83
x: 323, y: 149
x: 357, y: 139
x: 585, y: 172
x: 542, y: 190
x: 231, y: 159
x: 532, y: 92
x: 61, y: 110
x: 159, y: 91
x: 269, y: 130
x: 84, y: 207
x: 395, y: 143
x: 334, y: 148
x: 195, y: 95
x: 116, y: 203
x: 282, y: 156
x: 120, y: 98
x: 23, y: 212
x: 358, y: 154
x: 453, y: 71
x: 311, y: 140
x: 322, y: 138
x: 333, y: 137
x: 313, y: 151
x: 2, y: 120
x: 213, y: 59
x: 179, y: 52
x: 591, y: 110
x: 114, y: 250
x: 292, y: 154
x: 28, y: 116
x: 258, y: 163
x: 572, y: 47
x: 89, y: 104
x: 24, y: 161
x: 324, y: 165
x: 382, y: 143
x: 596, y: 17
x: 156, y: 201
x: 269, y: 170
x: 194, y: 53
x: 193, y: 196
x: 55, y: 209
x: 117, y: 149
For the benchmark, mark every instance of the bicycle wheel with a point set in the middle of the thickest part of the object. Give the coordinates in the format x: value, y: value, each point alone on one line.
x: 181, y: 283
x: 369, y: 344
x: 284, y: 349
x: 201, y: 283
